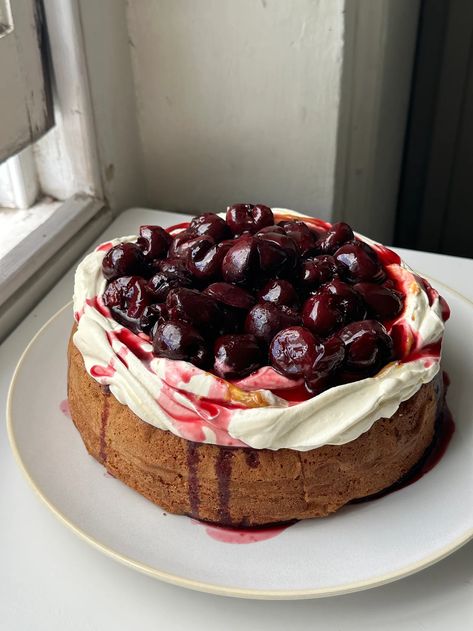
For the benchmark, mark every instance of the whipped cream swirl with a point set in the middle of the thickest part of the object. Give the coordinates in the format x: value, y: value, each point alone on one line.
x: 199, y: 406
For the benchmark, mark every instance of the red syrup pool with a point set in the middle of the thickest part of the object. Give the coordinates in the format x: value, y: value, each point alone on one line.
x: 242, y: 535
x: 65, y: 409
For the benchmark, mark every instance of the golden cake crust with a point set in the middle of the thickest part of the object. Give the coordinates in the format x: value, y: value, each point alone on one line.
x: 244, y: 486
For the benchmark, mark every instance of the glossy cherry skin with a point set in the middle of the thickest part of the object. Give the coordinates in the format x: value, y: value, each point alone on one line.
x: 266, y: 319
x: 236, y: 356
x: 359, y: 263
x: 277, y: 253
x: 329, y: 358
x: 339, y: 234
x: 152, y: 316
x: 382, y: 302
x: 317, y: 270
x: 205, y: 258
x: 322, y: 314
x: 194, y: 307
x: 154, y: 242
x: 230, y: 295
x: 368, y: 345
x: 293, y: 351
x: 237, y: 265
x: 280, y: 292
x: 302, y: 236
x: 210, y: 225
x: 248, y: 218
x: 124, y: 259
x: 127, y: 297
x: 182, y: 243
x: 180, y: 341
x: 348, y: 300
x: 161, y: 284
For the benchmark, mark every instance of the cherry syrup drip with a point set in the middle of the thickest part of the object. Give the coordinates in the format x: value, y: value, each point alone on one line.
x: 103, y: 430
x: 252, y: 458
x: 223, y: 469
x: 242, y: 535
x: 178, y: 226
x: 102, y: 371
x: 65, y: 409
x: 385, y: 255
x: 193, y: 481
x: 104, y: 247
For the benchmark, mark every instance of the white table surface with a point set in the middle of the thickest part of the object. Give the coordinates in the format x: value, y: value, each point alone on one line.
x: 51, y: 580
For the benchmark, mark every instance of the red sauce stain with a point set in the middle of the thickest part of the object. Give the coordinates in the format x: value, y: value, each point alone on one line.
x: 178, y: 226
x: 295, y: 395
x: 78, y: 314
x: 97, y: 304
x: 428, y: 351
x: 133, y: 343
x: 385, y: 255
x: 444, y: 308
x: 65, y: 409
x: 242, y: 535
x: 104, y: 247
x: 103, y: 431
x: 193, y: 480
x: 102, y: 371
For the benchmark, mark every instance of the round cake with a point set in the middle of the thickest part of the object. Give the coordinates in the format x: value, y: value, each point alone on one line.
x: 254, y: 367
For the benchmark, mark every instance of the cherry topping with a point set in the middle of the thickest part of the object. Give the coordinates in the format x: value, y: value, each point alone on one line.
x: 301, y: 234
x: 182, y: 243
x: 127, y: 297
x: 204, y: 258
x: 236, y: 356
x: 322, y: 313
x: 348, y: 300
x: 192, y: 306
x: 178, y: 340
x: 266, y: 319
x: 162, y: 283
x: 238, y: 261
x: 210, y: 225
x: 339, y: 234
x: 280, y: 292
x: 152, y: 316
x: 154, y: 242
x: 277, y: 253
x: 318, y: 270
x: 359, y: 262
x: 249, y: 218
x: 382, y: 302
x: 230, y: 295
x: 368, y: 345
x: 329, y: 357
x: 124, y: 259
x: 293, y: 351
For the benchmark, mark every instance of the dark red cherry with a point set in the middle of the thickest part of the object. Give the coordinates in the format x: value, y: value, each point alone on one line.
x: 248, y: 218
x: 230, y: 295
x: 368, y: 345
x: 210, y: 225
x: 338, y: 234
x: 322, y: 314
x: 276, y: 229
x: 232, y: 320
x: 238, y: 261
x: 358, y: 262
x: 127, y: 297
x: 318, y: 270
x: 280, y: 292
x: 277, y: 253
x: 302, y: 236
x: 293, y: 351
x: 180, y: 341
x: 329, y: 358
x: 194, y: 307
x: 173, y: 268
x: 205, y: 258
x: 266, y: 319
x: 350, y: 304
x: 154, y: 242
x: 124, y: 259
x: 162, y: 282
x: 236, y: 356
x: 182, y: 243
x: 153, y: 316
x: 382, y: 302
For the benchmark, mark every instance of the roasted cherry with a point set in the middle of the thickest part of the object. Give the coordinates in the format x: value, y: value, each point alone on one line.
x: 210, y: 225
x: 266, y: 319
x: 277, y: 253
x: 338, y: 234
x: 179, y: 340
x: 302, y: 236
x: 124, y: 259
x: 368, y: 345
x: 237, y: 265
x: 182, y: 243
x: 204, y: 257
x: 293, y: 351
x: 329, y: 357
x: 162, y: 282
x: 152, y: 316
x: 236, y: 356
x: 248, y: 218
x: 192, y: 306
x: 349, y: 302
x: 322, y: 314
x: 280, y: 292
x: 127, y: 297
x: 382, y: 302
x: 358, y: 263
x: 318, y: 270
x: 230, y: 295
x: 154, y: 242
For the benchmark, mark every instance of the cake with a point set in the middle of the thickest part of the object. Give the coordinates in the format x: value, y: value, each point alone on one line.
x: 254, y: 367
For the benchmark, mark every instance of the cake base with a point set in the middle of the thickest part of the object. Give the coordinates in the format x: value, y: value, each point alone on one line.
x: 237, y: 486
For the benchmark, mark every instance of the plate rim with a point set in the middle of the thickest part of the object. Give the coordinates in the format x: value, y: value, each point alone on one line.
x: 208, y: 587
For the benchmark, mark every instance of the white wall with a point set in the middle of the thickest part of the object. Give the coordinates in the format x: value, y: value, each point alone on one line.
x: 238, y: 100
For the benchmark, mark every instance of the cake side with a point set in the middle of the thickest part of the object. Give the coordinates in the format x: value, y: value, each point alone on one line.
x: 245, y: 486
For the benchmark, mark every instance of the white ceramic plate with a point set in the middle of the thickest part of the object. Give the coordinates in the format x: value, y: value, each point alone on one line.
x: 362, y: 546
